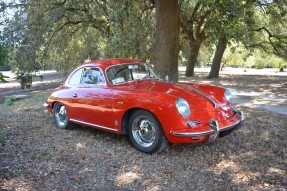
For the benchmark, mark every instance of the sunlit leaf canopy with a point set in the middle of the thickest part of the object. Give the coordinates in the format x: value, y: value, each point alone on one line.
x: 61, y: 34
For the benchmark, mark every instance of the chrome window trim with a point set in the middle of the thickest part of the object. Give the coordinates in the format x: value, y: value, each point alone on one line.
x: 71, y: 75
x: 94, y: 125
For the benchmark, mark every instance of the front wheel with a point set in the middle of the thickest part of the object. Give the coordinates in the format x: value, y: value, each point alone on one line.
x: 146, y: 133
x: 61, y: 116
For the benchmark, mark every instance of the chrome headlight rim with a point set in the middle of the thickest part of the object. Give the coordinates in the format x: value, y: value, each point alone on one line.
x: 182, y: 107
x: 229, y: 96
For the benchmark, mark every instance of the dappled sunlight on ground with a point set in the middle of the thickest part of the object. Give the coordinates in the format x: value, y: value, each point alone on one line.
x: 35, y: 155
x: 80, y: 145
x: 51, y: 80
x: 16, y: 184
x: 126, y: 178
x: 88, y: 159
x: 228, y: 170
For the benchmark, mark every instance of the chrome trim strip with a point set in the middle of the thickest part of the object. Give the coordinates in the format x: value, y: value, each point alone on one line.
x: 94, y: 125
x: 239, y: 115
x: 193, y: 134
x: 203, y: 95
x: 230, y: 126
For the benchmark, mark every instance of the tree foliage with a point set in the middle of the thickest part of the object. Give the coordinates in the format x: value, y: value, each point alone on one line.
x: 23, y: 42
x: 83, y: 30
x: 3, y: 61
x: 193, y: 16
x: 61, y: 34
x: 268, y: 29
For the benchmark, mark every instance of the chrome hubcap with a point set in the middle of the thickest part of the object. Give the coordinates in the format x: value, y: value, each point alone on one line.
x: 61, y: 116
x: 143, y: 131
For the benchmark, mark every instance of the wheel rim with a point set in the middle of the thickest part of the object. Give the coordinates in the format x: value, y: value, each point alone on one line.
x: 143, y: 131
x: 61, y: 115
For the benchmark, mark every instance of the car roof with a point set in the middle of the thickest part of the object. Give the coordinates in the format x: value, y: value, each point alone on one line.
x: 109, y: 62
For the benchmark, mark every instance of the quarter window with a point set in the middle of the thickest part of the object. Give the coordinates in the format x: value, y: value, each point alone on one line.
x: 76, y: 77
x: 93, y: 76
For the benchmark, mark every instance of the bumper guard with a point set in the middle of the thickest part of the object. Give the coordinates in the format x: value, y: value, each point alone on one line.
x: 214, y: 133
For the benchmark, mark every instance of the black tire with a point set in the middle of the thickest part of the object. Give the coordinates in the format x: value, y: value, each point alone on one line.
x: 61, y: 116
x: 146, y: 133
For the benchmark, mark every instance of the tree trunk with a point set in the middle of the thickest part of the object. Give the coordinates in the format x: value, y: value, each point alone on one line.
x: 194, y: 50
x: 166, y: 48
x: 215, y: 67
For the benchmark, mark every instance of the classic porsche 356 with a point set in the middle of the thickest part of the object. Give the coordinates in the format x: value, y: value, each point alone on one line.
x: 126, y: 96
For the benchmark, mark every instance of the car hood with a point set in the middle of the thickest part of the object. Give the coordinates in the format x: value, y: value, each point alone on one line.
x: 194, y: 96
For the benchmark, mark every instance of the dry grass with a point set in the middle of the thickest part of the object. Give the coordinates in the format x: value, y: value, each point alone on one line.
x: 36, y: 156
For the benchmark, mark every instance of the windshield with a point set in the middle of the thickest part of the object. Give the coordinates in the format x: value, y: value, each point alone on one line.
x: 129, y: 72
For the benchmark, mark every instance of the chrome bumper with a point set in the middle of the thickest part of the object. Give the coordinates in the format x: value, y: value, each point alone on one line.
x: 214, y: 133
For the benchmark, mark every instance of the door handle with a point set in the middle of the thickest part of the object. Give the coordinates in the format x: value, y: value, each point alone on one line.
x: 75, y: 95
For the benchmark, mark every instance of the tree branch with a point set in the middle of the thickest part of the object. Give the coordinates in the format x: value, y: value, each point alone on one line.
x: 201, y: 34
x: 59, y: 29
x: 196, y: 7
x: 186, y: 27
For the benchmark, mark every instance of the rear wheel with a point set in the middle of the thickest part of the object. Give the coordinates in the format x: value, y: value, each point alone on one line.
x: 146, y: 133
x: 61, y: 116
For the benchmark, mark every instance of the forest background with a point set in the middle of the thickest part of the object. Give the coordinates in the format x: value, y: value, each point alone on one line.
x: 61, y: 34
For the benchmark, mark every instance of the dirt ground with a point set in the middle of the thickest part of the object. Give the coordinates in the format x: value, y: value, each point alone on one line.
x: 34, y: 155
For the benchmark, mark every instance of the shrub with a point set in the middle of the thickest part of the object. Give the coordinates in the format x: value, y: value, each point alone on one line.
x: 25, y: 80
x: 9, y: 101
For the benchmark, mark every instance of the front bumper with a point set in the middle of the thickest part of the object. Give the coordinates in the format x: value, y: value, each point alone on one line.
x: 216, y: 130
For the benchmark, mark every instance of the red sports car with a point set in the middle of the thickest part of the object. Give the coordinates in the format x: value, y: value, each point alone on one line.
x: 126, y: 96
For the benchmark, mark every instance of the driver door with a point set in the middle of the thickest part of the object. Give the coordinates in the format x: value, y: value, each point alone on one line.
x: 93, y: 100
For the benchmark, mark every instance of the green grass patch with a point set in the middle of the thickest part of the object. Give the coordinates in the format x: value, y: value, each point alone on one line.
x: 9, y: 101
x: 34, y: 102
x: 36, y: 98
x: 31, y: 104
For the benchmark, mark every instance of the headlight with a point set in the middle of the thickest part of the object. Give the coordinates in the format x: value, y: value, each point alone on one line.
x: 229, y: 96
x: 183, y: 107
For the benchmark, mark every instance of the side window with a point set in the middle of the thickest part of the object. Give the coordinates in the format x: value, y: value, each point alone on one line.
x: 76, y: 77
x: 93, y: 76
